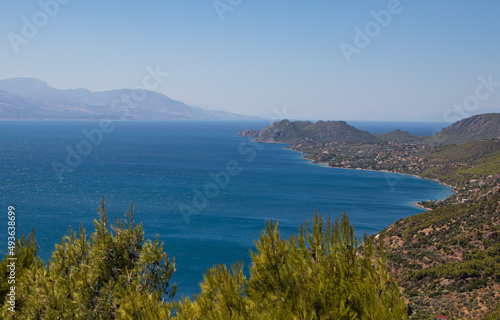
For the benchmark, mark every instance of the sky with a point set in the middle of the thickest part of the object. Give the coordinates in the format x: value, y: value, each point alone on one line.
x: 408, y: 60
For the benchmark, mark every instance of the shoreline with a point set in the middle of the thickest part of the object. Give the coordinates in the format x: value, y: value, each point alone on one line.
x: 453, y: 188
x: 407, y: 174
x: 420, y: 206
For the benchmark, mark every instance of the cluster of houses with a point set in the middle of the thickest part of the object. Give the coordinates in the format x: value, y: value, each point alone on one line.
x: 399, y: 157
x: 479, y: 188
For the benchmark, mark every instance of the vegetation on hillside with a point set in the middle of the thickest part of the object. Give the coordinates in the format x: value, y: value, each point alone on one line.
x: 457, y: 164
x: 475, y: 128
x: 286, y: 131
x: 448, y: 259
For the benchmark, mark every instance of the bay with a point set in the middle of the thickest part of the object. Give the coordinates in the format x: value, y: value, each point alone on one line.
x: 164, y: 166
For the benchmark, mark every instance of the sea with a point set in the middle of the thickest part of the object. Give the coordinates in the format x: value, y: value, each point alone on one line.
x: 205, y: 191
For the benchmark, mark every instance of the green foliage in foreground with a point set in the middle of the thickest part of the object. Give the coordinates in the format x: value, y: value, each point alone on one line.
x: 494, y: 315
x: 322, y: 273
x: 113, y: 274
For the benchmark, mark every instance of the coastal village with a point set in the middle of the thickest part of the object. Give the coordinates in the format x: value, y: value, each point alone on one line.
x: 414, y: 159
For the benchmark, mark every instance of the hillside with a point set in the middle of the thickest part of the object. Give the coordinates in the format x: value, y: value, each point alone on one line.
x: 15, y: 107
x: 295, y: 132
x: 457, y: 164
x: 448, y: 260
x: 475, y: 128
x: 478, y: 127
x: 33, y: 99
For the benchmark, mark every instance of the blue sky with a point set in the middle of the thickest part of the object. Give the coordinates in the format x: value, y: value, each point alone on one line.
x: 267, y: 56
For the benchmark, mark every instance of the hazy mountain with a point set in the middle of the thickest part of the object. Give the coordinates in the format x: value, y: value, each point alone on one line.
x: 28, y: 98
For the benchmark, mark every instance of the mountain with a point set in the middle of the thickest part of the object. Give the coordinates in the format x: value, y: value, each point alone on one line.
x: 285, y: 131
x: 33, y: 99
x: 475, y: 128
x: 478, y: 127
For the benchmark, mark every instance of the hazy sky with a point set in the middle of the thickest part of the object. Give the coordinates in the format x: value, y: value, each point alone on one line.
x: 409, y: 60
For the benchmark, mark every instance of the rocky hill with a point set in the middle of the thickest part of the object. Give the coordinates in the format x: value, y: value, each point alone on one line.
x: 478, y: 127
x: 295, y: 132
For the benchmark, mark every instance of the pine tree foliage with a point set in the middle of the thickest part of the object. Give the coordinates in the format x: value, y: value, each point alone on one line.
x: 324, y: 272
x: 494, y: 315
x: 25, y: 251
x: 111, y: 274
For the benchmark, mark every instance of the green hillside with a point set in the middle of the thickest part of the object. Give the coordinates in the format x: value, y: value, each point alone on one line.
x: 455, y: 164
x: 483, y: 126
x: 448, y: 259
x: 296, y: 132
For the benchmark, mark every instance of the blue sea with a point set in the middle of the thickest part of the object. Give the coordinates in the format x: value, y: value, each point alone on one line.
x: 206, y: 191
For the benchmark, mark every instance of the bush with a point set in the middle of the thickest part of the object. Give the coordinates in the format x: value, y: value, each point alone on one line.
x: 322, y: 273
x: 112, y: 274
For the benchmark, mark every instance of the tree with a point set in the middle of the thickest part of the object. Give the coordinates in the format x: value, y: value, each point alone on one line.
x: 112, y: 274
x: 494, y: 315
x: 322, y: 273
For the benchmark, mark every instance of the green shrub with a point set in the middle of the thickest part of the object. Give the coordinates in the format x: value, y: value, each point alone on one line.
x: 111, y: 274
x: 322, y: 273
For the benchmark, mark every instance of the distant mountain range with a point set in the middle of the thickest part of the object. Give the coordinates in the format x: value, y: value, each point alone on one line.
x: 479, y: 127
x: 33, y: 99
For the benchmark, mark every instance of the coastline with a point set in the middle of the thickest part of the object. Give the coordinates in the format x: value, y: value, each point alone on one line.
x: 420, y: 206
x: 416, y: 204
x: 407, y: 174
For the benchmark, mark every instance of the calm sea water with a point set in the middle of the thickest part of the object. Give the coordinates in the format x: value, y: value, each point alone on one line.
x: 164, y: 166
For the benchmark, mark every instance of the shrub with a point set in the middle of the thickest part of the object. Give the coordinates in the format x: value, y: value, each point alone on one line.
x: 322, y: 273
x: 112, y: 274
